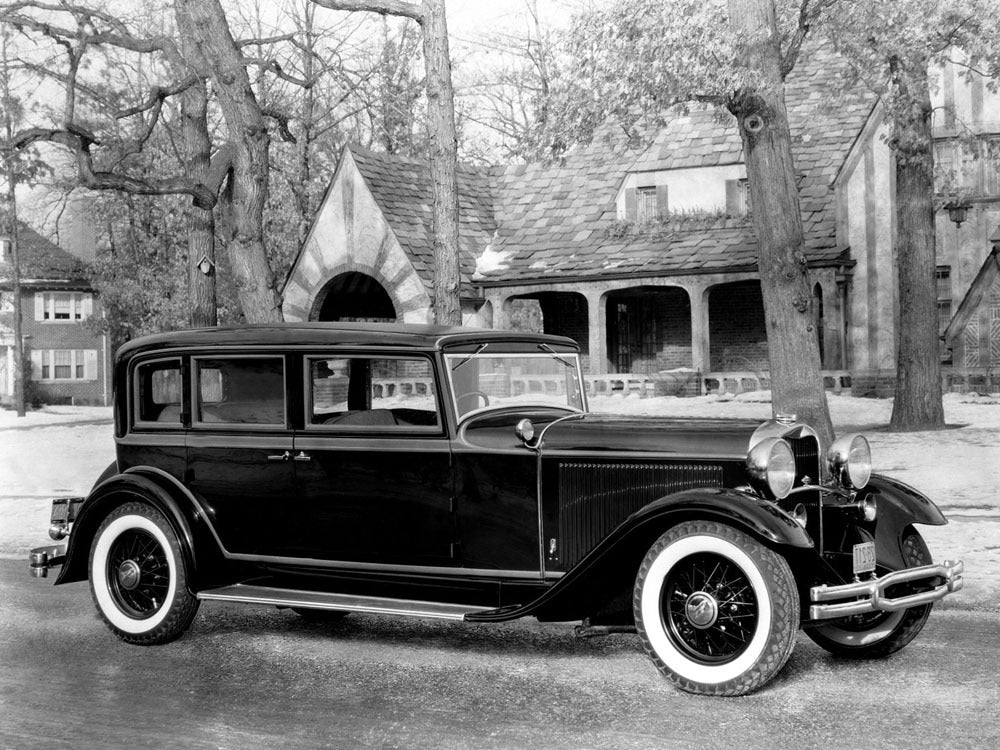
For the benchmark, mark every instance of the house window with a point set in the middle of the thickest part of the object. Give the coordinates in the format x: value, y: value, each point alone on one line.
x: 943, y: 275
x: 738, y: 197
x: 6, y: 249
x: 646, y: 204
x: 63, y: 307
x: 65, y: 364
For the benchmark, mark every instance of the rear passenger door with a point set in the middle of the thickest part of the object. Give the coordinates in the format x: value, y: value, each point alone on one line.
x: 373, y: 462
x: 240, y: 449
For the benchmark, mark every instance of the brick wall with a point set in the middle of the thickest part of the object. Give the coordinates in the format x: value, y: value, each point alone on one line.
x: 65, y: 335
x: 737, y: 335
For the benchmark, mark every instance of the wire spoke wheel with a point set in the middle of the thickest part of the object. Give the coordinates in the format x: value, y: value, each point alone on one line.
x: 716, y: 610
x: 138, y: 573
x: 710, y: 608
x: 138, y: 576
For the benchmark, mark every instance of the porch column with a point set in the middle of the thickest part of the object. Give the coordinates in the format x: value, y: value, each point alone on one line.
x: 597, y: 336
x: 700, y: 351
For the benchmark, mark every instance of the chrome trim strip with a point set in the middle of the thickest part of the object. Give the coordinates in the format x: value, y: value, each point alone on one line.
x: 433, y: 570
x: 871, y: 597
x: 267, y: 595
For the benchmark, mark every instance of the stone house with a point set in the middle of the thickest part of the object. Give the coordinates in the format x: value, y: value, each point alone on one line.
x: 642, y: 249
x: 69, y: 360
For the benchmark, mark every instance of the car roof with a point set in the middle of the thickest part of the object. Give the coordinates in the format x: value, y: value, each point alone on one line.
x: 411, y: 336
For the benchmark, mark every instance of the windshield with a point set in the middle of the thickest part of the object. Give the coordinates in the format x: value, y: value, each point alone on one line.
x: 484, y: 379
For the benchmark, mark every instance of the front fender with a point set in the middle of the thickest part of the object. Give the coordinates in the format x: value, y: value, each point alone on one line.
x: 613, y: 563
x: 105, y: 497
x: 899, y: 506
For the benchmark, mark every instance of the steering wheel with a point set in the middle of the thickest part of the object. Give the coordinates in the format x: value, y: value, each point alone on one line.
x: 471, y: 394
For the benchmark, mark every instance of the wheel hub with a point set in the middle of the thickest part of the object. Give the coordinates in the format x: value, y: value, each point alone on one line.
x: 129, y: 574
x: 701, y: 610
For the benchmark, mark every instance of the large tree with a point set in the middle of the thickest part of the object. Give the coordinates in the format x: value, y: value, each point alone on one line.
x: 641, y: 57
x: 205, y: 52
x: 430, y: 14
x: 894, y: 46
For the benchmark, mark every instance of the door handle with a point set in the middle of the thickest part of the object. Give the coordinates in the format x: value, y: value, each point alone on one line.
x: 282, y: 457
x: 303, y: 457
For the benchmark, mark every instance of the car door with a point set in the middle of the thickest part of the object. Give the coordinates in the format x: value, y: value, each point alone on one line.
x: 373, y: 468
x: 239, y: 449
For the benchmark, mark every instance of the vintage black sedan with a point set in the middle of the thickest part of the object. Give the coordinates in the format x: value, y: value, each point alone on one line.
x: 456, y: 473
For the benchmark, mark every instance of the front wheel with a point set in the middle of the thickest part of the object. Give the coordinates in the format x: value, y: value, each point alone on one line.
x: 716, y: 611
x: 138, y: 576
x: 877, y: 634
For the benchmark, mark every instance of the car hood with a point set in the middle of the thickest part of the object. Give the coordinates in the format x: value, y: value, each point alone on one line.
x: 608, y: 435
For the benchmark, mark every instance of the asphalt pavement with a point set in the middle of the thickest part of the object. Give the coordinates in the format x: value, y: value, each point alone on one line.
x: 254, y: 677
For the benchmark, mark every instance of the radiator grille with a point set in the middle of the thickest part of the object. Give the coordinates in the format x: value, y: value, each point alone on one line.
x: 595, y: 497
x: 806, y: 452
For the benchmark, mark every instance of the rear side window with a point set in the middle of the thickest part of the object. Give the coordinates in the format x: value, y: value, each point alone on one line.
x: 383, y: 393
x: 157, y: 389
x: 239, y: 390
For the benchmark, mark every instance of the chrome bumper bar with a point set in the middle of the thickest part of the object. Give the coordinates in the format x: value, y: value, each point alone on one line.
x: 870, y: 596
x: 42, y: 558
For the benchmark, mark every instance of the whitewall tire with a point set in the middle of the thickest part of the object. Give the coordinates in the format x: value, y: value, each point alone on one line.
x: 716, y: 610
x: 877, y: 634
x: 138, y: 576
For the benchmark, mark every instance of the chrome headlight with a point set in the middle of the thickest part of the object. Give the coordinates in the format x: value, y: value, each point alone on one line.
x: 850, y: 461
x: 771, y: 462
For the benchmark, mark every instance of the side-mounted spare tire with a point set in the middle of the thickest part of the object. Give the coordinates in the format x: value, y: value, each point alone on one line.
x: 716, y: 610
x: 139, y: 576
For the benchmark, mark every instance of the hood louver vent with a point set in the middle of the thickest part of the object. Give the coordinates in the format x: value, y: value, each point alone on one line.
x: 595, y: 497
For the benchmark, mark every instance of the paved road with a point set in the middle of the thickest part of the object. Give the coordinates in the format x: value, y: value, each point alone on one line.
x: 263, y: 678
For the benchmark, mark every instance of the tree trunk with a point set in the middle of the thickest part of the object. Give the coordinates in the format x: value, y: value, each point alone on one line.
x: 444, y: 156
x: 917, y: 405
x: 792, y: 339
x: 200, y: 221
x: 206, y: 22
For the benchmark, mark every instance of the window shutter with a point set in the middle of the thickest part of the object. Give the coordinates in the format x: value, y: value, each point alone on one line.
x: 88, y: 306
x: 36, y: 364
x: 732, y: 197
x: 631, y: 204
x: 90, y: 364
x: 662, y: 206
x: 39, y: 306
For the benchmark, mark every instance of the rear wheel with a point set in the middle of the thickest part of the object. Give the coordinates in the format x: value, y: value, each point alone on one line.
x: 138, y: 576
x: 716, y: 610
x: 877, y: 634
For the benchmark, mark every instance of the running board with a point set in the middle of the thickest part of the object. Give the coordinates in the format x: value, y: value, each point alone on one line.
x: 249, y: 594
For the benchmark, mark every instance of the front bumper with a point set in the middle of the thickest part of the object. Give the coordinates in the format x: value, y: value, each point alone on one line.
x: 870, y: 596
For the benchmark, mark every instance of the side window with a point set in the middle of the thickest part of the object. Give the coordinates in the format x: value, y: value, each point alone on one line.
x: 240, y: 390
x: 157, y: 390
x: 368, y: 392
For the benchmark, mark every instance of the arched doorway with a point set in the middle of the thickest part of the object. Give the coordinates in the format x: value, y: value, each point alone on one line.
x: 354, y: 296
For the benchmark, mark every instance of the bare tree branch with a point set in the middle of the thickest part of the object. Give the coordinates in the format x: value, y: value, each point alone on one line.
x: 416, y: 11
x: 79, y: 142
x: 157, y: 95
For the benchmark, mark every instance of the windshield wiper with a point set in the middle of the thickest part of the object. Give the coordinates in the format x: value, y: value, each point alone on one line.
x: 549, y: 350
x: 479, y: 350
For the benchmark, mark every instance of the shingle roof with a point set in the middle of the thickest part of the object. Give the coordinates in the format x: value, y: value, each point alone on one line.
x: 558, y: 219
x: 42, y: 260
x: 402, y: 188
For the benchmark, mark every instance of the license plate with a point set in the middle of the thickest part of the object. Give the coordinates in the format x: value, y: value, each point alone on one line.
x: 864, y: 557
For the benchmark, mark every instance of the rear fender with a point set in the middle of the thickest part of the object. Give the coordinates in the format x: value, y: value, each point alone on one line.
x: 610, y: 568
x: 145, y: 485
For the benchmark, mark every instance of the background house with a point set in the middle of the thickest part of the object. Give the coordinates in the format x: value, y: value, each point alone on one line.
x: 69, y: 359
x: 642, y: 250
